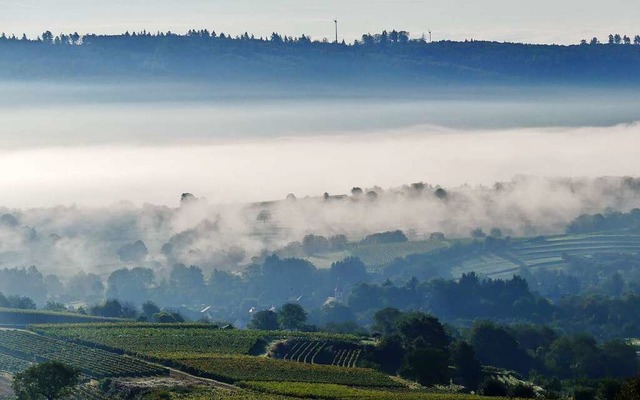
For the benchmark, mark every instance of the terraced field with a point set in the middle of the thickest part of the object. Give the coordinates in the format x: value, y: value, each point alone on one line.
x: 545, y: 254
x: 93, y: 362
x: 340, y: 354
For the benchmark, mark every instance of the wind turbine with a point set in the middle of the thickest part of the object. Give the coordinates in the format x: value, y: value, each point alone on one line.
x: 430, y: 40
x: 336, y: 22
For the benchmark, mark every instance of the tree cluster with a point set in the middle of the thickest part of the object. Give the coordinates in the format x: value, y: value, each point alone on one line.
x: 614, y: 39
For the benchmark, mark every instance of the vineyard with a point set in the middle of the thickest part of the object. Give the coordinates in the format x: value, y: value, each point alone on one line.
x: 13, y: 365
x: 160, y: 341
x: 170, y: 341
x: 93, y: 362
x: 245, y: 368
x: 547, y: 253
x: 27, y: 317
x: 339, y: 392
x: 340, y: 354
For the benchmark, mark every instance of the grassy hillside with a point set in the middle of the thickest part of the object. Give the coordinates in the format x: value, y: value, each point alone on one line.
x: 10, y: 316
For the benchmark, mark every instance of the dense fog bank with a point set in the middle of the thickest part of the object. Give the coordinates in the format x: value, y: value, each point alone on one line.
x: 66, y: 240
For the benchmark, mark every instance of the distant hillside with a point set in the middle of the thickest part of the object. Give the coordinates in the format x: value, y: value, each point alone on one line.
x: 13, y: 317
x: 199, y: 56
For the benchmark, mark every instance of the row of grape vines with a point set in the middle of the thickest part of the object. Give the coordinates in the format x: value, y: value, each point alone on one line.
x: 93, y: 362
x: 307, y: 351
x: 346, y: 358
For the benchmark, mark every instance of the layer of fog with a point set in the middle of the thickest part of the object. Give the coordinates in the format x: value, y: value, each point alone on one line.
x: 46, y: 115
x: 260, y: 170
x: 106, y: 153
x: 224, y: 231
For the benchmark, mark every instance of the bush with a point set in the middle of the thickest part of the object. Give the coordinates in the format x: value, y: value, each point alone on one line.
x: 493, y: 387
x: 522, y: 391
x: 582, y: 393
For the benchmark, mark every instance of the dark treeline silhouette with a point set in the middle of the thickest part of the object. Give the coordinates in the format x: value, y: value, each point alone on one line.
x: 388, y: 58
x: 614, y: 39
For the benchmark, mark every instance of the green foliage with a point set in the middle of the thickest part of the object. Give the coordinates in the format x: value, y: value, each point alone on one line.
x: 467, y: 367
x: 495, y: 345
x: 630, y: 390
x: 348, y: 272
x: 494, y: 388
x: 292, y: 316
x: 55, y: 306
x: 385, y: 237
x: 265, y: 320
x: 426, y: 365
x: 166, y: 317
x: 50, y: 380
x: 385, y: 320
x: 609, y: 389
x: 22, y: 303
x: 522, y: 391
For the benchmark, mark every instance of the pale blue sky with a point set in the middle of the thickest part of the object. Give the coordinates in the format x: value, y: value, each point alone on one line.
x: 547, y: 21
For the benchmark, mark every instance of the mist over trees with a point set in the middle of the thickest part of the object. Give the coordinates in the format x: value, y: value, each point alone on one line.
x: 78, y: 245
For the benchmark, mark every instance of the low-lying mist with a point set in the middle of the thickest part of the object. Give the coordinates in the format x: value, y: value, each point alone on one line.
x: 235, y: 171
x: 86, y: 176
x: 66, y: 240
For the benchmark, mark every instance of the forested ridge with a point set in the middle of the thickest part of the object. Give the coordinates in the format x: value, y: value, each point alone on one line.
x: 375, y: 60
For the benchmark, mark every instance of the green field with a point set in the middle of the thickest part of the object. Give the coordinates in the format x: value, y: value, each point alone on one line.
x: 93, y: 362
x: 339, y: 392
x: 247, y: 368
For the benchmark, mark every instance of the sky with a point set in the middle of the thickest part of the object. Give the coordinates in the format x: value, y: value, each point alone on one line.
x: 541, y: 21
